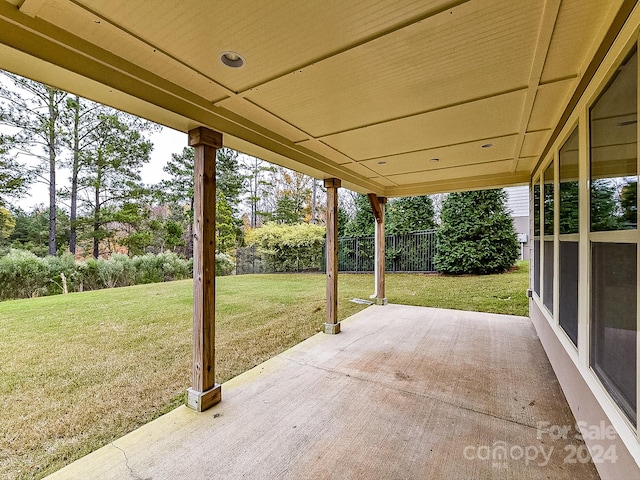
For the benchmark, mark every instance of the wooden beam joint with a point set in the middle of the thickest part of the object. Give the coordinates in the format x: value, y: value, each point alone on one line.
x: 377, y: 205
x: 205, y: 136
x: 332, y: 183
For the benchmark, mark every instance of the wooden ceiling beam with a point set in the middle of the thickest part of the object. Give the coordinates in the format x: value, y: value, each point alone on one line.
x: 547, y: 26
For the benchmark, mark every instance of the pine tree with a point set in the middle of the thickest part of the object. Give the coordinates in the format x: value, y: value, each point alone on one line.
x: 363, y: 222
x: 112, y: 172
x: 409, y: 214
x: 35, y: 111
x: 14, y: 177
x: 476, y: 235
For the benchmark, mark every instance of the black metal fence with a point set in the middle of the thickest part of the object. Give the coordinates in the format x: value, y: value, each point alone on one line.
x: 250, y: 260
x: 409, y: 252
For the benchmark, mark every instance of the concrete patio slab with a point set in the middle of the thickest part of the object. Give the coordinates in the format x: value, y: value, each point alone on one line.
x: 402, y: 393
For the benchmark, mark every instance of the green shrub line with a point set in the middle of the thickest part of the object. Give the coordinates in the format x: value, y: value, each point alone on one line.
x: 290, y: 248
x: 25, y: 275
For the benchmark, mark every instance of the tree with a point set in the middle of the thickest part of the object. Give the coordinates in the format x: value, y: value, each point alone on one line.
x: 230, y: 180
x: 137, y: 229
x: 603, y: 206
x: 7, y: 224
x: 476, y: 235
x: 291, y: 193
x: 34, y: 110
x: 629, y: 205
x: 289, y: 210
x: 32, y: 229
x: 112, y: 172
x: 409, y: 214
x: 569, y: 211
x: 363, y: 222
x: 230, y: 183
x: 82, y: 118
x: 14, y: 177
x: 226, y: 224
x: 343, y: 221
x: 178, y: 191
x: 257, y: 171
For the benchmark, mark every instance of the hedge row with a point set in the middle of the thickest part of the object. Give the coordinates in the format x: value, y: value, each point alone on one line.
x: 24, y: 275
x: 289, y: 248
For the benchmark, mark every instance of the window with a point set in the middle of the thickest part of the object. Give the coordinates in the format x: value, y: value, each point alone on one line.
x: 613, y: 201
x: 613, y: 305
x: 547, y: 281
x: 536, y: 238
x: 568, y: 208
x: 614, y: 162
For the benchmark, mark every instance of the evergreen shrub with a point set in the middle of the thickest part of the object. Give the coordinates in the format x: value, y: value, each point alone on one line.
x: 476, y: 235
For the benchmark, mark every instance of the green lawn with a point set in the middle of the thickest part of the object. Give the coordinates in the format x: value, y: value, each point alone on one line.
x: 80, y: 370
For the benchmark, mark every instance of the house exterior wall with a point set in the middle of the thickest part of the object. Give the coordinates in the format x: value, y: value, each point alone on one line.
x: 521, y: 226
x: 518, y: 207
x: 604, y: 403
x: 584, y: 404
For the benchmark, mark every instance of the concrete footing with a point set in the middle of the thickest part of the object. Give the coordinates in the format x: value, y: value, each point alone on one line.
x: 201, y: 401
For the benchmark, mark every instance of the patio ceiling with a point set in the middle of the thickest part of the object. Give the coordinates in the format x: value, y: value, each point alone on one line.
x: 369, y: 92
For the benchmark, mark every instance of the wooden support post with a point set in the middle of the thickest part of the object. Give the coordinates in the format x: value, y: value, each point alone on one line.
x: 377, y: 205
x: 204, y: 392
x: 332, y: 326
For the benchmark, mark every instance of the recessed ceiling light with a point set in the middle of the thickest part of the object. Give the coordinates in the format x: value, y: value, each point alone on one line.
x: 486, y: 145
x: 382, y: 162
x: 435, y: 160
x: 232, y: 59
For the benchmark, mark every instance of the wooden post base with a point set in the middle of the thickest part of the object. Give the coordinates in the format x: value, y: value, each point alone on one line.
x: 381, y: 301
x: 332, y: 328
x: 201, y: 401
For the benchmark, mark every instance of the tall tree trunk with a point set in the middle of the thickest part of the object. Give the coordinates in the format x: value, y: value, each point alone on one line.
x: 52, y: 171
x: 73, y: 215
x: 96, y: 214
x: 254, y: 199
x: 313, y: 201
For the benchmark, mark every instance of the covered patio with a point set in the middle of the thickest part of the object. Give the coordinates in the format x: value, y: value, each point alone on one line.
x: 402, y: 392
x: 390, y: 98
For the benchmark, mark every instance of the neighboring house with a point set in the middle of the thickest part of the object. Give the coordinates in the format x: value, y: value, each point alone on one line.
x: 518, y: 207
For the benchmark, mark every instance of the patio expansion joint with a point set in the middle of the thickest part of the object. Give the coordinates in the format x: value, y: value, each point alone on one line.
x: 133, y: 474
x: 409, y: 392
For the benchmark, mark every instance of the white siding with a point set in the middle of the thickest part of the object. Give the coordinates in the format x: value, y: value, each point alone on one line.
x: 518, y: 201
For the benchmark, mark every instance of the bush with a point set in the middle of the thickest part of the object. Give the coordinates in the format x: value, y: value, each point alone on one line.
x: 224, y: 265
x: 163, y: 267
x: 476, y: 235
x: 290, y: 248
x: 55, y: 268
x: 23, y: 274
x: 116, y: 271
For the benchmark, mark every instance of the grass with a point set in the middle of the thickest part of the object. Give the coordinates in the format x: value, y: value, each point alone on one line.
x: 80, y: 370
